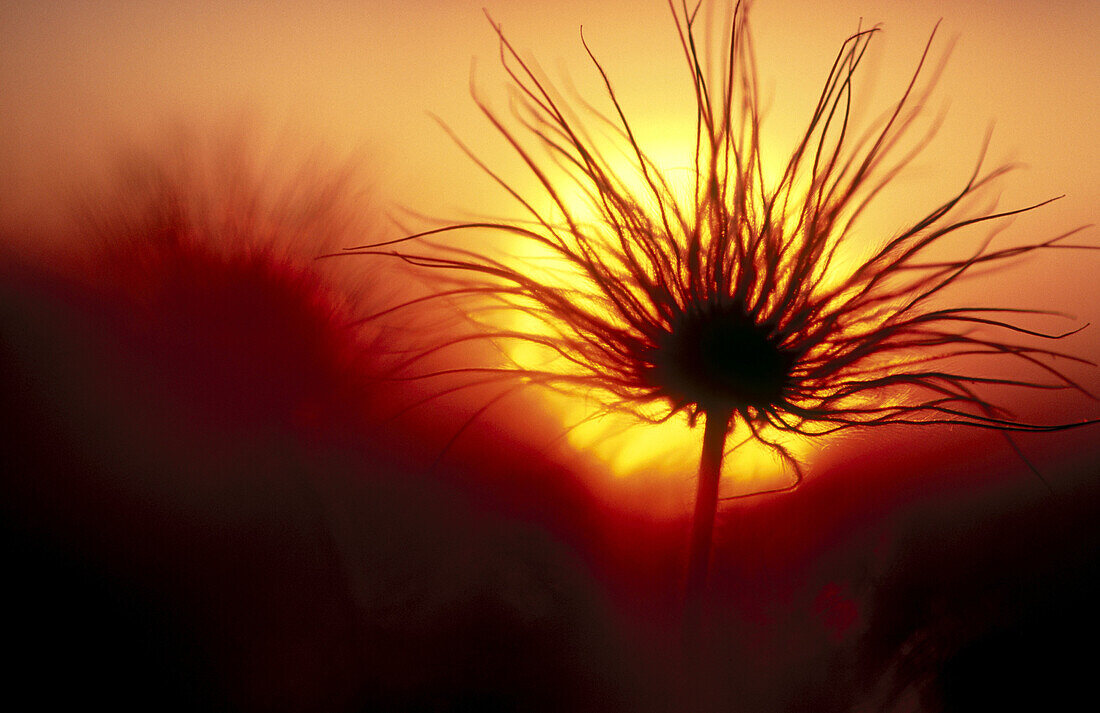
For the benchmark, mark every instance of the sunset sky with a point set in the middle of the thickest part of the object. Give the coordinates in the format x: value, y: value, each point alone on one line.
x: 83, y: 82
x: 366, y: 84
x: 80, y: 78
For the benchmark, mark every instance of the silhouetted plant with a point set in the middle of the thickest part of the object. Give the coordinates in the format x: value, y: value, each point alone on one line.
x: 732, y: 304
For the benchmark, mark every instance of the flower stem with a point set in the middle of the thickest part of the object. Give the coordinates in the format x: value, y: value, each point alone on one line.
x: 702, y: 525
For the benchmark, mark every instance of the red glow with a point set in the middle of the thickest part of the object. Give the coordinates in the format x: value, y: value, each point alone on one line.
x: 202, y: 464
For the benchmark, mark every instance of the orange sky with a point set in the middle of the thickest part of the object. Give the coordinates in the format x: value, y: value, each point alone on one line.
x: 78, y: 80
x: 206, y: 475
x: 77, y: 77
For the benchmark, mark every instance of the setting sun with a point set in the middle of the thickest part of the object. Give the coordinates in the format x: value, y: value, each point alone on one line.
x: 634, y: 356
x: 625, y: 444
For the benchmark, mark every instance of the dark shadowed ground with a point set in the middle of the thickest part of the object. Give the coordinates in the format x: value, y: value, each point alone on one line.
x: 206, y: 507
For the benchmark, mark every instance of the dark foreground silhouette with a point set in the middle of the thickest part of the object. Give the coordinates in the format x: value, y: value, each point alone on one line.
x: 205, y: 508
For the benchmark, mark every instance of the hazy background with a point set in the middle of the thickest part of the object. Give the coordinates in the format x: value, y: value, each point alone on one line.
x: 79, y: 78
x: 252, y: 536
x: 83, y: 82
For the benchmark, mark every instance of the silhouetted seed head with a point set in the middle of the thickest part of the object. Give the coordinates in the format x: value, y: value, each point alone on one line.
x: 718, y: 356
x: 732, y: 302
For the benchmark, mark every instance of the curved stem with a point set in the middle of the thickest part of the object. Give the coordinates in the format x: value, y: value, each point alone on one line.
x: 702, y: 525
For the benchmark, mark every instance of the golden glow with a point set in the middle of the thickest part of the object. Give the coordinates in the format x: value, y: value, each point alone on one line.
x: 629, y: 446
x: 625, y: 444
x: 81, y: 80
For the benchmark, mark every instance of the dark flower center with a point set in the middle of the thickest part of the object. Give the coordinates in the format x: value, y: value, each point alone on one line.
x: 720, y: 358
